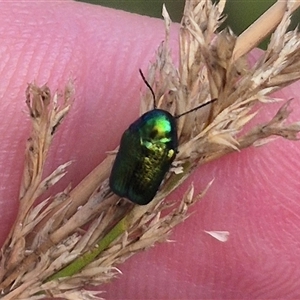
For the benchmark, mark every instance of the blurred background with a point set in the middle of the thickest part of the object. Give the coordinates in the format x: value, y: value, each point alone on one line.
x: 240, y: 13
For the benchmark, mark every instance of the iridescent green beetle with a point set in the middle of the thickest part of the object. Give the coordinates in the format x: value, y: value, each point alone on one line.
x: 147, y: 149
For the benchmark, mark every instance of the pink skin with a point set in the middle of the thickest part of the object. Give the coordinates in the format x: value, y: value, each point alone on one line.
x: 255, y: 195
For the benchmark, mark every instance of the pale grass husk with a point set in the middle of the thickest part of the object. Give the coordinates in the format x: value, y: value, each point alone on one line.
x: 211, y: 66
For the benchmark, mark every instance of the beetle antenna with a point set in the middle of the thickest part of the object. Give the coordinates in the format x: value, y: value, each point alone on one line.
x: 195, y: 108
x: 150, y: 88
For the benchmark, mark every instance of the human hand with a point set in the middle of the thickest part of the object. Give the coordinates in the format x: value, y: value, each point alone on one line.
x: 255, y: 193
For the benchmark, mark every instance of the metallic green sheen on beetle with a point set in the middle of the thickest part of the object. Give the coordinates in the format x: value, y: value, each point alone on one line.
x: 147, y: 149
